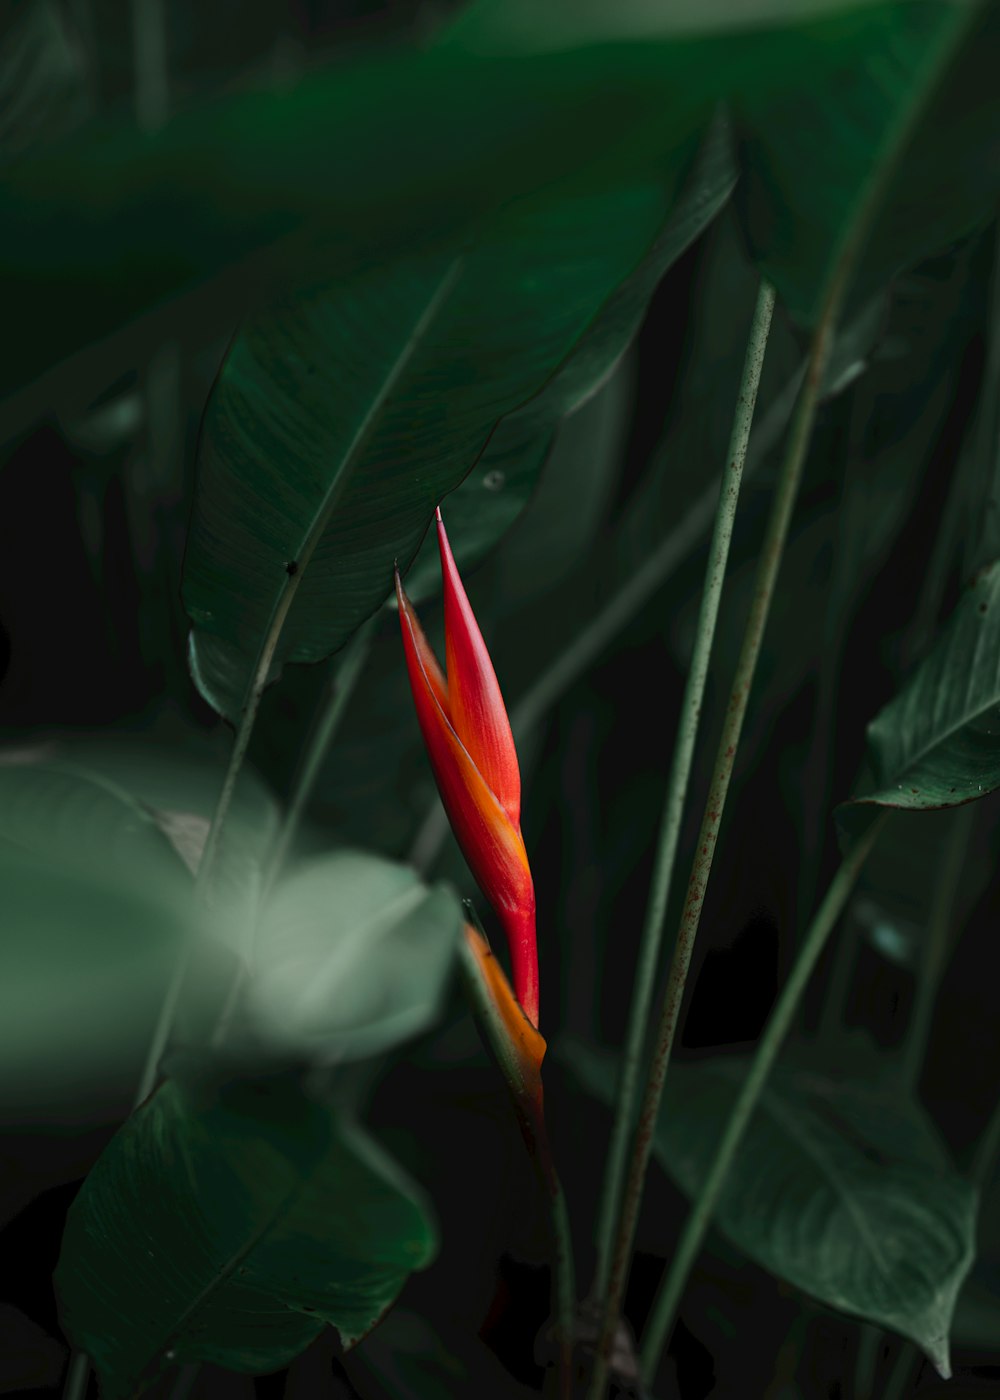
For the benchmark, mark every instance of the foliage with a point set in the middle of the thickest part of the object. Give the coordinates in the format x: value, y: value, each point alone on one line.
x: 280, y: 280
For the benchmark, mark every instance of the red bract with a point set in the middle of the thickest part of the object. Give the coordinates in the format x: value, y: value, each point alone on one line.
x: 471, y: 749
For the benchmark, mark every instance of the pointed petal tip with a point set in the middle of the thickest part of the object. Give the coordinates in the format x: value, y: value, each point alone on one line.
x: 437, y: 515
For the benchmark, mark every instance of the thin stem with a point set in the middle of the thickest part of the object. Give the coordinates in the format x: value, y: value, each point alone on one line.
x: 331, y: 713
x: 988, y: 1152
x: 867, y: 1362
x: 669, y: 1294
x: 77, y: 1376
x: 171, y: 1000
x: 767, y: 574
x: 680, y: 772
x: 317, y: 747
x: 528, y: 1105
x: 936, y: 936
x: 901, y: 1374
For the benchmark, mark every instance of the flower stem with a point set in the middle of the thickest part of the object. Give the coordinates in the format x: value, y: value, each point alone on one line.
x: 669, y: 1294
x: 317, y: 746
x: 764, y: 585
x: 936, y: 935
x: 341, y: 688
x: 680, y: 772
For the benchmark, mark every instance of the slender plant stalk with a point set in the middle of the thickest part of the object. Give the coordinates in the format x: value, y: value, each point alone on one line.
x: 984, y: 1163
x: 764, y: 585
x: 866, y: 1364
x: 936, y: 938
x: 331, y: 713
x: 669, y: 1294
x: 680, y: 772
x: 531, y: 1117
x: 901, y: 1373
x: 317, y: 746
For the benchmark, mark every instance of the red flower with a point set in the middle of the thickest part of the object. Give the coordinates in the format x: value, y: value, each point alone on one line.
x: 471, y: 749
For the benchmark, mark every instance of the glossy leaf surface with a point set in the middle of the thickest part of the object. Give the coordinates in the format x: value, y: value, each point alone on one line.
x: 839, y: 1188
x: 228, y: 1225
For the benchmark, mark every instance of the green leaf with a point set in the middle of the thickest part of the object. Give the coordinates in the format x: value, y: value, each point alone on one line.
x: 57, y: 813
x: 353, y: 957
x: 884, y: 157
x: 329, y: 441
x: 84, y: 961
x: 937, y: 743
x: 228, y: 1225
x: 840, y: 1187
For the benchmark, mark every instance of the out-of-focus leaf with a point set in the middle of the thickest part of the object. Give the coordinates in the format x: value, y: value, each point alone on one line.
x: 839, y: 1187
x: 228, y: 1224
x: 44, y: 90
x: 78, y: 820
x: 937, y: 743
x: 261, y: 185
x: 178, y: 784
x: 84, y: 961
x: 29, y: 1358
x: 353, y: 956
x: 909, y: 163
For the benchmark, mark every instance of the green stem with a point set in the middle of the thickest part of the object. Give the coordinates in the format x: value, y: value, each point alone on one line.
x: 77, y: 1376
x: 764, y: 585
x: 317, y: 747
x: 331, y: 713
x: 531, y: 1117
x: 985, y: 1161
x: 677, y: 786
x: 867, y: 1362
x: 936, y: 937
x: 899, y: 1376
x: 669, y: 1295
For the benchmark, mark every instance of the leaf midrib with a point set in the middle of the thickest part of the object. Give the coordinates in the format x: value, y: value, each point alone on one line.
x: 798, y: 1133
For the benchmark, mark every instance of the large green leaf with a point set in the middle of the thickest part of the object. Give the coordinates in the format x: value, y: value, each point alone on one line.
x: 886, y: 156
x: 353, y: 956
x: 839, y: 1187
x: 937, y: 743
x: 338, y: 425
x: 229, y: 1224
x: 492, y: 496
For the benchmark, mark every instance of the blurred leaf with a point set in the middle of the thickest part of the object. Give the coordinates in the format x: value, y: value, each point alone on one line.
x: 83, y: 965
x: 937, y: 743
x: 99, y: 231
x: 840, y: 1188
x: 44, y: 88
x: 177, y: 782
x: 29, y: 1358
x: 908, y: 157
x: 78, y: 820
x: 353, y: 956
x: 229, y: 1226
